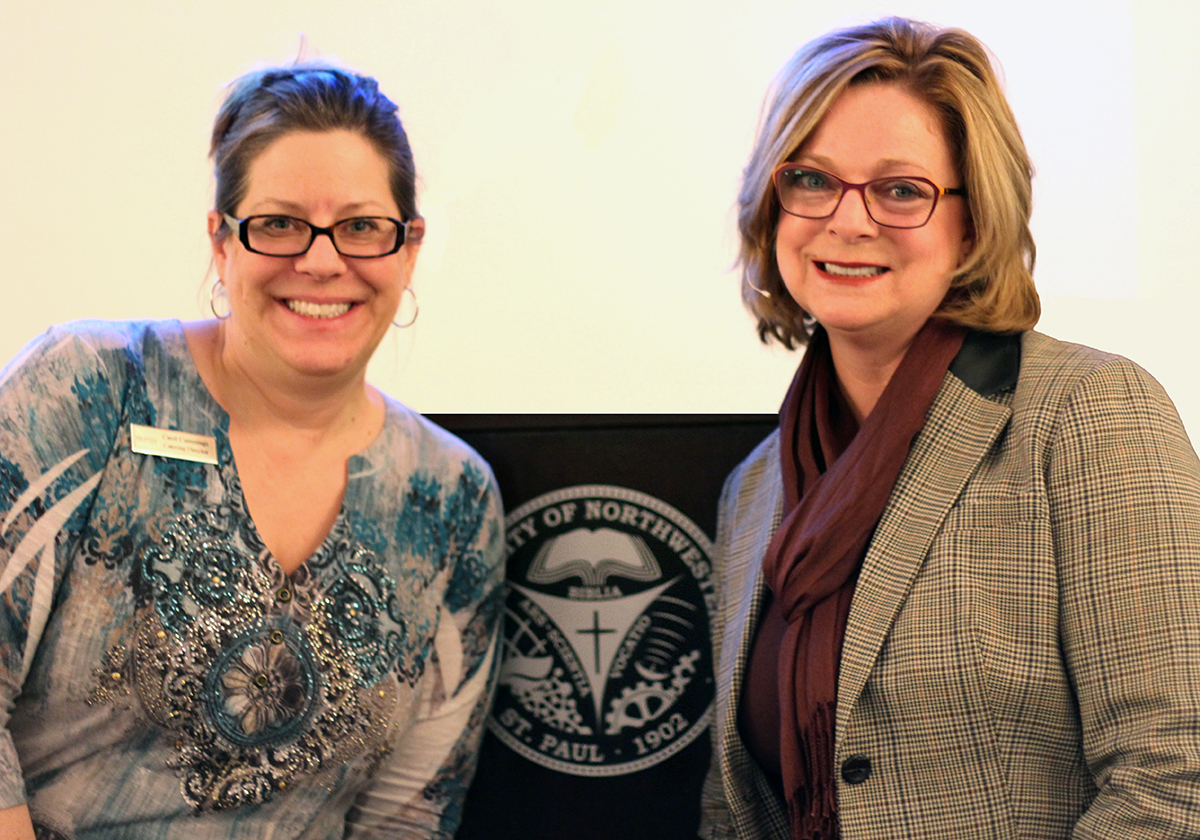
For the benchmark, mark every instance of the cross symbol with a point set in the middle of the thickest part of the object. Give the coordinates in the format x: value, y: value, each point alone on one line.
x: 594, y: 631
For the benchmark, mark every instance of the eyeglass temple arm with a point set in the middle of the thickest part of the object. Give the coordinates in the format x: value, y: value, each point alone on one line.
x: 414, y: 231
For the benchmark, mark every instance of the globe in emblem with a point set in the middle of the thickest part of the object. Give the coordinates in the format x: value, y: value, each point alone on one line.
x: 608, y: 663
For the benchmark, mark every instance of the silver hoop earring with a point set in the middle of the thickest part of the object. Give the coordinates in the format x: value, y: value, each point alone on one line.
x: 212, y: 299
x: 762, y: 292
x: 416, y: 310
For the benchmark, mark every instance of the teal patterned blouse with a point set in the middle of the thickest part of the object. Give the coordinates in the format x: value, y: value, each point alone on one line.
x: 162, y: 677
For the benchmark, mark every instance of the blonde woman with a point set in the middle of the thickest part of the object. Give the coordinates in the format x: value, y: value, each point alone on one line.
x: 961, y: 583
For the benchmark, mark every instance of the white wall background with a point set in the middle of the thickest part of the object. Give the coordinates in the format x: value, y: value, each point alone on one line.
x: 578, y: 167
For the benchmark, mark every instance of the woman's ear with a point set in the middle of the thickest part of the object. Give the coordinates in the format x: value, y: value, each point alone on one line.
x: 219, y: 242
x: 968, y: 240
x: 412, y: 245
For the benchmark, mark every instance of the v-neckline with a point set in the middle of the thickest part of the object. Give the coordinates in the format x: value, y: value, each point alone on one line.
x: 221, y: 422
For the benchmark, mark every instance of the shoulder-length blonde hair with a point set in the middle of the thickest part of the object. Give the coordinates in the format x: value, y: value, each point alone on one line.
x: 950, y: 70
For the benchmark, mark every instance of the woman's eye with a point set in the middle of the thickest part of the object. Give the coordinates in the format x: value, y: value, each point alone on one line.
x: 809, y: 180
x: 277, y: 224
x: 903, y: 190
x: 364, y: 226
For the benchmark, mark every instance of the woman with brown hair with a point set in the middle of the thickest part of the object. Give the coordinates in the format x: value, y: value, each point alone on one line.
x: 961, y: 583
x: 243, y: 593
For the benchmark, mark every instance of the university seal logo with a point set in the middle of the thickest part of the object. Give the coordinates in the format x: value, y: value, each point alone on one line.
x: 607, y: 656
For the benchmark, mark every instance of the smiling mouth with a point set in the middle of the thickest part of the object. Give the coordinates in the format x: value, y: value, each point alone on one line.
x: 317, y: 310
x: 851, y: 271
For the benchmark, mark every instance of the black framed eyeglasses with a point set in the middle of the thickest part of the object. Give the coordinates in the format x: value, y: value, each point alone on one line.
x: 360, y: 237
x: 896, y: 202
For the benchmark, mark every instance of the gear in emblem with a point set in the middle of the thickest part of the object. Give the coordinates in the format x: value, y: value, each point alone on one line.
x: 608, y: 664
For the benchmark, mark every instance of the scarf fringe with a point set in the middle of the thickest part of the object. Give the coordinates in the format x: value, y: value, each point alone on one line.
x: 812, y: 807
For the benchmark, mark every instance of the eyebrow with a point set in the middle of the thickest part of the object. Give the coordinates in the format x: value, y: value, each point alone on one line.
x: 292, y: 208
x: 880, y: 166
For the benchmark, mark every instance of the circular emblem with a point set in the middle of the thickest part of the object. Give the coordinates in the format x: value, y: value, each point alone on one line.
x: 607, y: 654
x: 267, y: 686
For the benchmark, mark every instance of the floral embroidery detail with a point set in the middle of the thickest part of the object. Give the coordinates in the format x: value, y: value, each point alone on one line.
x: 265, y: 687
x: 265, y: 680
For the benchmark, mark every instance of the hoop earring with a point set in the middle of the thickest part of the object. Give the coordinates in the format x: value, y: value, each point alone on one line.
x: 212, y: 299
x: 762, y: 292
x: 416, y: 309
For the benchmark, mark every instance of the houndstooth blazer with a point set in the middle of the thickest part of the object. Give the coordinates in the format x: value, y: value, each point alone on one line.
x: 1022, y: 657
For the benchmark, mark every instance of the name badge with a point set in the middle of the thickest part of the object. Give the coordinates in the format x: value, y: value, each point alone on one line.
x: 168, y: 443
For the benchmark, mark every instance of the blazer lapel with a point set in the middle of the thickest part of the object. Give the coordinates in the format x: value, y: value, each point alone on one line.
x: 961, y: 428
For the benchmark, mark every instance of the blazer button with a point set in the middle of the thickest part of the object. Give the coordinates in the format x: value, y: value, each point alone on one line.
x: 856, y: 769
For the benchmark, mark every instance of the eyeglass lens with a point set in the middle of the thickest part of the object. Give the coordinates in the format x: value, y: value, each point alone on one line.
x: 285, y: 236
x: 893, y: 202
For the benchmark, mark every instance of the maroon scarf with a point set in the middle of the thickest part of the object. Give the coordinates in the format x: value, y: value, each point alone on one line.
x: 836, y: 485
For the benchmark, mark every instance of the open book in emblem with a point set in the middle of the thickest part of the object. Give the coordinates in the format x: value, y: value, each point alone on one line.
x: 593, y: 556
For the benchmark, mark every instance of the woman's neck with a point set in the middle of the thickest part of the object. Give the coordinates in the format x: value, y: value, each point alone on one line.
x: 260, y: 398
x: 864, y: 368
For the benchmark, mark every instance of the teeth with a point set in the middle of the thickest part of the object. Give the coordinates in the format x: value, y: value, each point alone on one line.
x: 857, y: 271
x: 317, y: 310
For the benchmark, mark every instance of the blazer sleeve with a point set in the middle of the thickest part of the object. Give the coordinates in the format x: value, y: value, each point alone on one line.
x: 736, y: 799
x: 715, y: 821
x: 1123, y: 485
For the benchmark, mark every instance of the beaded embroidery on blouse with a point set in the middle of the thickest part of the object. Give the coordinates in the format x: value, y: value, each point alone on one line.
x: 262, y: 678
x: 142, y: 581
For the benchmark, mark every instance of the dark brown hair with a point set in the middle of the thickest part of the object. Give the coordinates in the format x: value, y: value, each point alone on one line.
x: 263, y: 105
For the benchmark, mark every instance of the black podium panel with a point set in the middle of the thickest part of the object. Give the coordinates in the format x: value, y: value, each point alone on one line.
x: 599, y: 729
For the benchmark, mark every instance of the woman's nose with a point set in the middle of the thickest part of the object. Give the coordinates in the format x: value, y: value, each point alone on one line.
x: 851, y: 219
x: 321, y: 258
